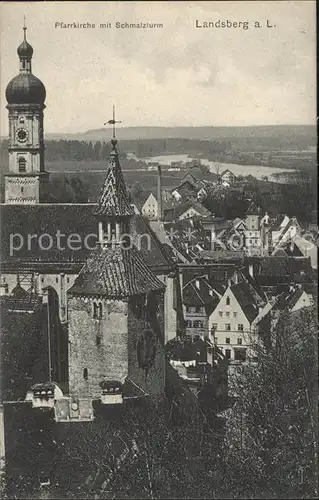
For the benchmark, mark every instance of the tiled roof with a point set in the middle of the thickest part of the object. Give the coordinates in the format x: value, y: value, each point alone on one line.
x: 115, y: 273
x: 154, y: 253
x: 113, y: 199
x: 175, y: 212
x: 68, y: 219
x: 222, y: 255
x: 246, y: 300
x: 290, y: 298
x: 46, y: 219
x: 12, y: 302
x: 194, y: 296
x: 274, y: 266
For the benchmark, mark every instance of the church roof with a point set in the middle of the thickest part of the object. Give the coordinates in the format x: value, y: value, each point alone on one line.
x: 115, y: 273
x: 113, y: 200
x: 154, y: 253
x: 68, y: 219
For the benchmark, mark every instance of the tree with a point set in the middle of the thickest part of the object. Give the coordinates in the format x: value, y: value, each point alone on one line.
x: 273, y: 454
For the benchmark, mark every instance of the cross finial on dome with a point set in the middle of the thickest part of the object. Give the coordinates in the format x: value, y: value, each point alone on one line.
x: 24, y: 28
x: 113, y: 122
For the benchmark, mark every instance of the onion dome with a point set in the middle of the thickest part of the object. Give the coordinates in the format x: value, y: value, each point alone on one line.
x: 25, y: 88
x: 25, y: 50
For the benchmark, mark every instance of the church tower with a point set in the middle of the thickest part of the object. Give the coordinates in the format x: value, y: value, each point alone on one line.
x: 116, y: 307
x: 26, y: 182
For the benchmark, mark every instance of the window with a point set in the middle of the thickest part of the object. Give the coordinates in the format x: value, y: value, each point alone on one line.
x: 227, y: 353
x: 220, y: 314
x: 57, y: 279
x: 191, y: 309
x: 85, y: 374
x: 240, y: 354
x: 198, y: 309
x: 240, y: 327
x: 214, y: 326
x: 198, y: 324
x: 42, y: 280
x: 227, y: 301
x: 68, y: 280
x: 235, y: 314
x: 100, y: 311
x: 97, y: 310
x: 227, y: 327
x: 227, y: 340
x: 239, y: 341
x: 22, y: 164
x: 228, y: 314
x: 21, y: 189
x: 188, y: 324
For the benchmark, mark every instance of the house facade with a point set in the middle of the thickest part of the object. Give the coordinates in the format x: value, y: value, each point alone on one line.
x: 231, y: 322
x: 150, y: 207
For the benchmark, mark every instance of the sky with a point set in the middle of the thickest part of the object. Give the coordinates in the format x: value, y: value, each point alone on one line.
x: 177, y: 75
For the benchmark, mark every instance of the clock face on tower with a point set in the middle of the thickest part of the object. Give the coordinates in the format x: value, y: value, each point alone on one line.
x: 22, y: 135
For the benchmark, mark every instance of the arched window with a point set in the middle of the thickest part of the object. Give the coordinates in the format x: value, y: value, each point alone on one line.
x: 22, y: 164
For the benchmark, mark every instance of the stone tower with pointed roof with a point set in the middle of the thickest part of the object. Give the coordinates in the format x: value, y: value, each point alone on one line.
x: 116, y: 312
x: 27, y: 181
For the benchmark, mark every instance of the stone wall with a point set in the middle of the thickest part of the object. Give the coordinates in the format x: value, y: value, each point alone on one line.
x: 99, y: 346
x: 151, y: 377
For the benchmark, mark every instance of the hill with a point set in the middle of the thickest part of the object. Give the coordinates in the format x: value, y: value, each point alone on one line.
x: 287, y: 133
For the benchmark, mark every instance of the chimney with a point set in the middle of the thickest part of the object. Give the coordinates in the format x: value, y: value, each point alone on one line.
x: 159, y: 194
x: 197, y: 284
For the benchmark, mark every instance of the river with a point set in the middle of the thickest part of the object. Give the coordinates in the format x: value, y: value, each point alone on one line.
x: 257, y: 171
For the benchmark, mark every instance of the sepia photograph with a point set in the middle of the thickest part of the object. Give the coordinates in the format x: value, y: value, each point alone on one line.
x: 158, y: 250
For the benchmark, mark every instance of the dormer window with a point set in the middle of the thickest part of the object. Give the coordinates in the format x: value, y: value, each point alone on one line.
x: 22, y: 164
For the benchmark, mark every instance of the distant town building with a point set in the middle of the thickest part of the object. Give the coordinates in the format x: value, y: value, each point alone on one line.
x: 228, y: 176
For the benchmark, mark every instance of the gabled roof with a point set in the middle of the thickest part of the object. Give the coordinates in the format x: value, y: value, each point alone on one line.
x: 253, y: 209
x: 175, y: 212
x: 115, y: 273
x: 113, y: 200
x: 227, y: 171
x: 246, y: 300
x: 287, y: 300
x: 194, y: 296
x: 190, y: 178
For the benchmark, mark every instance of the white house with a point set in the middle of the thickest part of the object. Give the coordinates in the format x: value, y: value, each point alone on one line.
x: 227, y: 176
x: 150, y: 207
x: 232, y: 321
